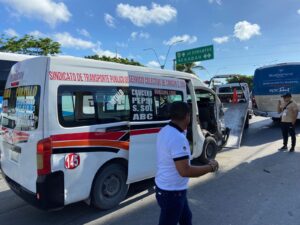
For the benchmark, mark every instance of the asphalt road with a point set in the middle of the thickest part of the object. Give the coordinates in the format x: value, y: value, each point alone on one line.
x: 256, y: 185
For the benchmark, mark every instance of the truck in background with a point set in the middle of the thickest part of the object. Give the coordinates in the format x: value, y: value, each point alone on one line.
x: 236, y: 116
x: 270, y: 82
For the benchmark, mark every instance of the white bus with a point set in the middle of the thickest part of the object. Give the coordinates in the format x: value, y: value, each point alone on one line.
x: 77, y: 129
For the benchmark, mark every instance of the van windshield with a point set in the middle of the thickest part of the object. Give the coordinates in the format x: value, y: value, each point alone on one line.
x: 20, y: 108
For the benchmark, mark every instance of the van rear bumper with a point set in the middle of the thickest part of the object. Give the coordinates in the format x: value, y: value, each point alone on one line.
x: 50, y: 191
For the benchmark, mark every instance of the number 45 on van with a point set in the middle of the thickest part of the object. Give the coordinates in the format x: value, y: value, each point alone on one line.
x: 72, y: 161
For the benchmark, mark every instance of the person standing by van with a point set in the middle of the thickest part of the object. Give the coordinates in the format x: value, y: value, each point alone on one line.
x: 289, y: 113
x: 174, y: 169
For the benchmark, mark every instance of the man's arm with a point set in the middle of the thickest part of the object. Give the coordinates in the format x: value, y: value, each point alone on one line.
x: 185, y: 170
x: 294, y: 114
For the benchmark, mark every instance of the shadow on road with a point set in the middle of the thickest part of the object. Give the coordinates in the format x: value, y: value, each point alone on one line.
x: 263, y: 191
x: 263, y: 132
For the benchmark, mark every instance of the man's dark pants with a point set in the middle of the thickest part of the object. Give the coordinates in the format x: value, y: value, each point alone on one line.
x: 174, y: 207
x: 288, y: 128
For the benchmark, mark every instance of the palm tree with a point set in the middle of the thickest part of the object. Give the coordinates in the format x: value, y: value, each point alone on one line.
x: 187, y: 67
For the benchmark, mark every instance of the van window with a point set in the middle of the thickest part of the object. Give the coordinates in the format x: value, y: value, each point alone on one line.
x: 89, y: 105
x: 68, y: 106
x: 21, y: 108
x: 163, y: 100
x: 204, y: 96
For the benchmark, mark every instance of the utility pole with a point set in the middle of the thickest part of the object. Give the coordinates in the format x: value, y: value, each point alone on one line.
x: 174, y: 64
x: 162, y: 66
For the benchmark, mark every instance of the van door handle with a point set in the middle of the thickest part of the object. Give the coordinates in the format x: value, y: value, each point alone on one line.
x: 118, y: 128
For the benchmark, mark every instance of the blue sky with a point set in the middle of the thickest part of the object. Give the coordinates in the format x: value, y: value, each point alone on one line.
x: 245, y: 34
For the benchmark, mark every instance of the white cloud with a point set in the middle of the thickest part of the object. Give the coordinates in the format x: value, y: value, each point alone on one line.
x: 298, y: 11
x: 122, y: 44
x: 221, y: 40
x: 246, y: 48
x: 68, y: 41
x: 244, y: 30
x: 217, y: 25
x: 142, y: 35
x: 45, y: 10
x: 37, y: 34
x: 83, y: 32
x: 99, y: 51
x: 219, y: 2
x: 197, y: 63
x: 184, y: 38
x: 11, y: 33
x: 153, y: 64
x: 162, y: 57
x: 142, y: 16
x: 109, y: 20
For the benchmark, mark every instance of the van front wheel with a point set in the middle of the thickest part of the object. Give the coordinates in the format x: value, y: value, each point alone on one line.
x: 210, y: 149
x: 110, y: 187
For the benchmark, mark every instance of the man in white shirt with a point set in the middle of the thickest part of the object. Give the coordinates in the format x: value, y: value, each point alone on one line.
x: 174, y: 169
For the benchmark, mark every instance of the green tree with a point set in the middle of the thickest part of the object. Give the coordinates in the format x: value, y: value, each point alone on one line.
x: 29, y: 45
x: 243, y: 79
x: 187, y: 67
x: 114, y: 59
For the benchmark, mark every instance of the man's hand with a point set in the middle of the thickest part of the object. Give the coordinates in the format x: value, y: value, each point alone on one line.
x: 186, y: 170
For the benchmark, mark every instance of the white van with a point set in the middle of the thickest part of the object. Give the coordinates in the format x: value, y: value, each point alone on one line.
x: 76, y: 129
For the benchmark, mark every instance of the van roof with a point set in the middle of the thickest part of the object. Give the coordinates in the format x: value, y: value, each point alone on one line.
x: 13, y: 56
x: 71, y: 61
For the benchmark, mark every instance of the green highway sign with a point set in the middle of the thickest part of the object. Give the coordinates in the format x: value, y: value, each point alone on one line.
x: 195, y: 54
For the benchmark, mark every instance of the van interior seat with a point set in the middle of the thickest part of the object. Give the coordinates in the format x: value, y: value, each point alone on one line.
x: 206, y: 114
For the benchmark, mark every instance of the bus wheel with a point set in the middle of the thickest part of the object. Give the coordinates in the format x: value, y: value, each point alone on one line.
x: 210, y: 149
x: 110, y: 187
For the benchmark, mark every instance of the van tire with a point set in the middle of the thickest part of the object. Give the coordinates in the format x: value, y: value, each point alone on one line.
x: 210, y: 149
x: 110, y: 186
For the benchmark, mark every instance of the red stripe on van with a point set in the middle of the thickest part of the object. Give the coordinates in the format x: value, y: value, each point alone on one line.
x: 88, y: 135
x: 144, y: 131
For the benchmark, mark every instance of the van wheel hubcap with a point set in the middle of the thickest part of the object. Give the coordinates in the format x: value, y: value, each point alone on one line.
x: 210, y: 151
x: 111, y: 186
